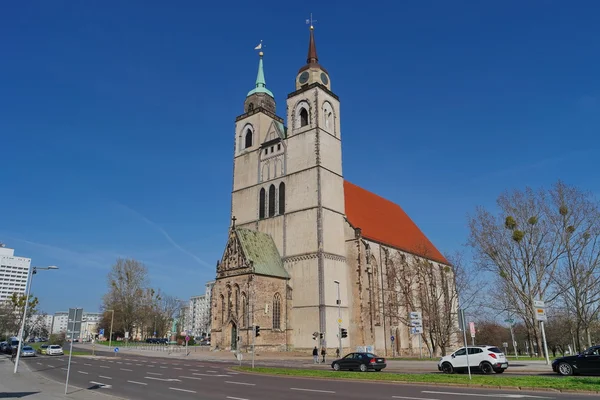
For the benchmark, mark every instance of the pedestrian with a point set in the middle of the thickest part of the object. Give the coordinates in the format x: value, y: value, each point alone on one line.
x: 315, y: 355
x: 323, y: 352
x: 337, y: 353
x: 14, y: 353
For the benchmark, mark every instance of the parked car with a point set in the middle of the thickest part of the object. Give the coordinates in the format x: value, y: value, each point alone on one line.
x: 43, y: 348
x: 486, y: 359
x: 54, y: 350
x: 359, y: 361
x: 587, y: 362
x: 27, y: 351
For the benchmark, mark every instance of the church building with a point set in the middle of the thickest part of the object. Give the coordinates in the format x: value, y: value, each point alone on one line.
x: 309, y: 254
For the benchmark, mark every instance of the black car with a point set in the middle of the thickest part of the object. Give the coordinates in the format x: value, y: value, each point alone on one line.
x: 359, y: 361
x: 587, y: 362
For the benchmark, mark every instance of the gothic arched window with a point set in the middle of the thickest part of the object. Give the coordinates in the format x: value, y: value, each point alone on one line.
x: 248, y: 139
x: 261, y: 205
x: 277, y: 311
x: 222, y: 309
x: 272, y: 201
x: 303, y: 117
x: 244, y: 309
x: 281, y: 198
x: 250, y: 106
x: 237, y: 300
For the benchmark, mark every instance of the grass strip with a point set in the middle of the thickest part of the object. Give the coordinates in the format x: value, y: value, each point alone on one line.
x: 591, y: 384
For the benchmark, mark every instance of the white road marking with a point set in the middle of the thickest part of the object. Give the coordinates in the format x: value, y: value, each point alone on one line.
x: 163, y: 367
x: 497, y: 395
x: 153, y: 373
x: 39, y: 363
x: 88, y: 365
x: 119, y: 362
x: 241, y: 383
x: 236, y: 398
x: 139, y: 365
x: 313, y: 390
x: 213, y: 375
x: 162, y: 379
x: 210, y: 371
x: 137, y: 383
x: 194, y: 370
x: 104, y: 366
x: 183, y: 390
x: 125, y: 369
x: 104, y: 377
x: 411, y: 398
x: 65, y: 369
x: 234, y: 373
x: 102, y: 385
x: 191, y: 377
x: 177, y: 368
x: 51, y: 366
x: 82, y: 372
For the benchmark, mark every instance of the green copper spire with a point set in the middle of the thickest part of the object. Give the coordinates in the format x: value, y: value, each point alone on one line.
x: 261, y: 86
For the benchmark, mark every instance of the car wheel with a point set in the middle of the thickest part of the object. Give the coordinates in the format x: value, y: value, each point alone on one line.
x: 447, y: 368
x: 336, y: 366
x: 486, y: 368
x: 565, y: 369
x: 363, y: 368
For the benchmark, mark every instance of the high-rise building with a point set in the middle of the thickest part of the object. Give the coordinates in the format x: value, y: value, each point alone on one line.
x: 13, y: 273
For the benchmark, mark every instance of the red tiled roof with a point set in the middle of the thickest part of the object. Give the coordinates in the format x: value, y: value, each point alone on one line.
x: 385, y: 222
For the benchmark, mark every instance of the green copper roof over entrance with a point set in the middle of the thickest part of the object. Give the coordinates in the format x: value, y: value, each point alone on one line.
x: 261, y: 86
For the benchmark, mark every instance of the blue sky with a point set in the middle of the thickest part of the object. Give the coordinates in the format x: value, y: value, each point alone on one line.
x: 116, y: 119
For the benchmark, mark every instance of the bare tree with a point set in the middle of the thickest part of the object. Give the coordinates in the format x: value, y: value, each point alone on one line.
x: 578, y: 278
x: 127, y: 283
x: 520, y: 246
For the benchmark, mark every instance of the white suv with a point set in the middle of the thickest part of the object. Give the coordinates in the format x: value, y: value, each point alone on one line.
x: 487, y: 359
x: 54, y: 350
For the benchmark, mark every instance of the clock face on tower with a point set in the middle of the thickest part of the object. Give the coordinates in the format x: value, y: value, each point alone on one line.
x: 303, y: 78
x: 324, y: 78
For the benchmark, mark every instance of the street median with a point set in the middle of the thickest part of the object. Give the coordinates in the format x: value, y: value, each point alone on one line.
x: 559, y: 384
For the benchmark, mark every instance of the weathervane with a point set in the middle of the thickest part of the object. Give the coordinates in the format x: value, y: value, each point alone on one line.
x: 311, y: 21
x: 259, y: 47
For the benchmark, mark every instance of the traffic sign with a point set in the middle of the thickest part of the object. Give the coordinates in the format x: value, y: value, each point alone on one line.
x: 539, y: 304
x: 101, y: 332
x: 472, y: 329
x: 187, y: 338
x: 339, y: 321
x: 510, y: 320
x: 116, y: 349
x: 415, y: 315
x: 392, y: 338
x: 540, y: 314
x: 416, y: 330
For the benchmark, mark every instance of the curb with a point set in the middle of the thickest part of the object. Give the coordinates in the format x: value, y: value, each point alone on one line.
x: 410, y: 383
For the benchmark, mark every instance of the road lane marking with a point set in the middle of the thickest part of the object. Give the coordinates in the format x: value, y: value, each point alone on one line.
x: 163, y: 379
x: 64, y: 369
x: 125, y: 369
x: 241, y: 383
x: 210, y: 371
x: 163, y: 367
x: 411, y: 398
x: 102, y: 385
x: 137, y: 383
x: 88, y: 365
x: 497, y: 395
x: 213, y: 375
x: 153, y: 373
x: 236, y: 398
x: 104, y: 366
x: 104, y: 377
x: 191, y: 377
x: 194, y: 370
x: 183, y: 390
x: 82, y: 372
x: 39, y: 363
x: 313, y: 390
x: 51, y: 366
x: 177, y: 368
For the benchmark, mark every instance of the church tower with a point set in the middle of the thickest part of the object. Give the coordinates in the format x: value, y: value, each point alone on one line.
x: 315, y: 255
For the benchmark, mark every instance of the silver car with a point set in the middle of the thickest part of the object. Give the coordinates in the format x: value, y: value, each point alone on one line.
x: 27, y: 351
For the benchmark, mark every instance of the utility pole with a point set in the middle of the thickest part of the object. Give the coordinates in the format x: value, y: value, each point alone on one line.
x: 339, y: 304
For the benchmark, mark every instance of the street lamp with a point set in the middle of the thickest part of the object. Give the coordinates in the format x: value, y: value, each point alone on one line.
x: 32, y: 271
x: 112, y: 319
x: 339, y: 303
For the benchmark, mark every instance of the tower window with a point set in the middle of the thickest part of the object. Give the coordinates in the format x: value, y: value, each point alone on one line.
x: 248, y: 140
x: 261, y: 205
x: 250, y: 107
x: 278, y: 146
x: 281, y: 198
x: 303, y: 117
x: 277, y: 311
x: 272, y: 201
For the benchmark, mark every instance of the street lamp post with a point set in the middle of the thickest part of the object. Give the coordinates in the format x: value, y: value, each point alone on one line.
x: 33, y: 271
x: 339, y: 303
x: 112, y: 319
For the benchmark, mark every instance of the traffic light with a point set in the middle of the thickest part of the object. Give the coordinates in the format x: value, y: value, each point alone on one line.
x: 321, y: 335
x: 256, y: 331
x: 344, y: 333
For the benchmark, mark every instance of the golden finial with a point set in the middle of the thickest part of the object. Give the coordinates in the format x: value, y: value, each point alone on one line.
x: 260, y: 53
x: 310, y: 22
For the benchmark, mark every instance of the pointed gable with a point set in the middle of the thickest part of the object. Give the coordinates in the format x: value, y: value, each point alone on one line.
x: 274, y: 134
x: 382, y: 221
x: 260, y: 250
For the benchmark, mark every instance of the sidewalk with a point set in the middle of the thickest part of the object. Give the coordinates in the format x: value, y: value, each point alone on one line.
x: 34, y: 386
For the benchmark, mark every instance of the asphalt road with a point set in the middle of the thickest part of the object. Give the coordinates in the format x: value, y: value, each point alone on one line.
x: 138, y: 377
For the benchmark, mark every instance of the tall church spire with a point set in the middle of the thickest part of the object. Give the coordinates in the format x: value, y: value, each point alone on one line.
x: 312, y: 72
x: 261, y: 85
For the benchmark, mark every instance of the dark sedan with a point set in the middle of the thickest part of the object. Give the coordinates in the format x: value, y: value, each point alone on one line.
x: 359, y: 361
x: 584, y: 363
